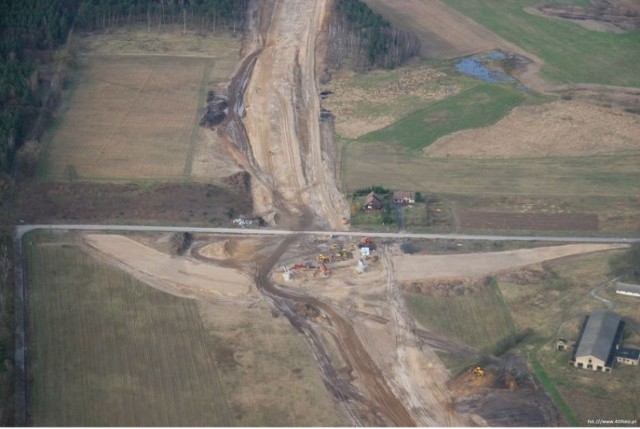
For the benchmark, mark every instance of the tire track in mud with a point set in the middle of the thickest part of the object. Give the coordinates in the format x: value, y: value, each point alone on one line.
x: 376, y: 405
x: 383, y: 408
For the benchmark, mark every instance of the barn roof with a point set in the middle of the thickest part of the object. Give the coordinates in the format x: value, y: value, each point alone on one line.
x: 627, y: 288
x: 599, y: 335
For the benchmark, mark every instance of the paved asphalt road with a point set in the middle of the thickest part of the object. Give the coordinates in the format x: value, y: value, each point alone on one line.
x: 22, y: 229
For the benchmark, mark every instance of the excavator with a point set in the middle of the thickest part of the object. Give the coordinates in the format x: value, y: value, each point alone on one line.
x: 321, y: 258
x: 479, y: 371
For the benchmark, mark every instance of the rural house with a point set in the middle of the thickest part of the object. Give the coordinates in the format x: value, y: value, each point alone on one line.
x: 598, y: 342
x: 404, y: 197
x: 372, y: 202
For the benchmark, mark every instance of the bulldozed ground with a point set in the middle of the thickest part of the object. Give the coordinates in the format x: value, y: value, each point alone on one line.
x: 135, y: 104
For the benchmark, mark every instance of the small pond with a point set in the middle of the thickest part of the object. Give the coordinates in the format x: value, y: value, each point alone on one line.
x: 478, y: 66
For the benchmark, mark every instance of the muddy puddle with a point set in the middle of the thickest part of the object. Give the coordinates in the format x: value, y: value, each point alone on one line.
x: 490, y: 67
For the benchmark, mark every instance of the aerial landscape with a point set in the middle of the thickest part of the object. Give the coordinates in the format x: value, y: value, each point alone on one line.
x: 320, y: 213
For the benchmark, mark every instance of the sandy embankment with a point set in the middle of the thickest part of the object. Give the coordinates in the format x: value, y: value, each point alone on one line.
x: 416, y: 267
x: 177, y: 275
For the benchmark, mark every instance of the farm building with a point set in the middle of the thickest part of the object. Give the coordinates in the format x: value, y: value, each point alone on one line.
x: 628, y: 356
x: 404, y: 197
x: 372, y: 202
x: 598, y: 342
x: 628, y: 289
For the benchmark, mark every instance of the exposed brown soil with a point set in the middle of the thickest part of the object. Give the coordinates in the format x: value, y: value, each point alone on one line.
x: 529, y: 221
x: 473, y: 265
x: 195, y: 203
x: 508, y: 395
x: 274, y: 120
x: 561, y: 128
x: 601, y: 15
x: 181, y: 276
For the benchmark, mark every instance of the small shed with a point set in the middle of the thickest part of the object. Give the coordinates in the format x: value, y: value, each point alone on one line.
x: 404, y: 197
x: 561, y: 344
x: 372, y: 202
x: 627, y: 356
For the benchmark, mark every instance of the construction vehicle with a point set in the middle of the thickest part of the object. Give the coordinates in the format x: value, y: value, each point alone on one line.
x: 324, y: 270
x: 353, y: 246
x: 321, y: 258
x: 334, y: 246
x: 478, y: 371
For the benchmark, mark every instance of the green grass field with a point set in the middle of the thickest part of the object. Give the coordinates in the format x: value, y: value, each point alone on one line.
x: 108, y: 350
x: 571, y: 53
x: 478, y: 106
x: 480, y: 319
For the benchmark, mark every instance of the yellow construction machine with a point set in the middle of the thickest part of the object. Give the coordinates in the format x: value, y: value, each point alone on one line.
x: 321, y: 258
x: 478, y: 371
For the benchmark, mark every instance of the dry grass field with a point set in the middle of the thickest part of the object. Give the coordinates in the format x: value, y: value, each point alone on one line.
x: 130, y: 117
x: 561, y: 128
x: 108, y: 350
x: 605, y: 185
x: 135, y: 105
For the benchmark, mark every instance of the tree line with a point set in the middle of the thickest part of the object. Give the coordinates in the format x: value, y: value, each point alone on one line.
x: 26, y: 27
x: 203, y: 14
x: 358, y: 34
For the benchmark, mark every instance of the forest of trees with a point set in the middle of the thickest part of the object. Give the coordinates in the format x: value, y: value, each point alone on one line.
x: 209, y: 15
x: 359, y: 34
x: 26, y: 26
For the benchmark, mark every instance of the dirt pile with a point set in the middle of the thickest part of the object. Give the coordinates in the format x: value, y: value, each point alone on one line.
x: 507, y: 395
x: 561, y: 128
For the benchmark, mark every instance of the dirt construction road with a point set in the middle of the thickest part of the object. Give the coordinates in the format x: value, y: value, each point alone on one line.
x: 282, y: 111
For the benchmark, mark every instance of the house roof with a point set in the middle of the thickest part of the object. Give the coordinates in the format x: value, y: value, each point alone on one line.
x: 628, y: 288
x: 372, y: 197
x: 401, y: 195
x: 598, y: 335
x: 626, y: 353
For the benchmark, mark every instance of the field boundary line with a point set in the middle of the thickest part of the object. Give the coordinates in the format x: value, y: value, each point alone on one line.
x: 20, y: 357
x: 188, y: 166
x: 361, y: 139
